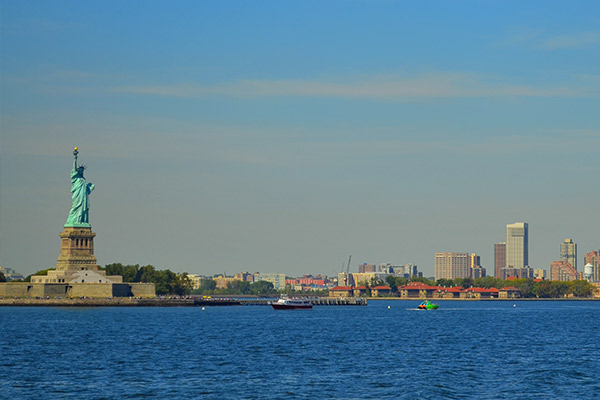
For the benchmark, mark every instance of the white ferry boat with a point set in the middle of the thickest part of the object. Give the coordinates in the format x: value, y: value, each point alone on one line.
x: 285, y: 303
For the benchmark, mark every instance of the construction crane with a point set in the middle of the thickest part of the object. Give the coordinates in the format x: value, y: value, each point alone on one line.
x: 347, y: 274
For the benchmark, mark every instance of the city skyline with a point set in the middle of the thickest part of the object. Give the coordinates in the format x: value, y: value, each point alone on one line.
x: 282, y: 137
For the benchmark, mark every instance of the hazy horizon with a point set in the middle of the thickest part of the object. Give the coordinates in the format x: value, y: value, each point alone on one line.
x: 285, y: 136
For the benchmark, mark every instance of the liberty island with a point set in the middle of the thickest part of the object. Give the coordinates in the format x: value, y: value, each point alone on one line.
x: 77, y: 273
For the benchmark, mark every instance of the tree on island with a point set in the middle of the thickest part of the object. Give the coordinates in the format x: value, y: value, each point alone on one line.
x: 2, y: 277
x: 489, y: 282
x: 258, y: 288
x: 238, y: 287
x: 524, y: 285
x: 465, y: 283
x: 207, y: 286
x: 444, y: 282
x: 262, y: 288
x: 165, y: 281
x: 391, y: 281
x: 581, y: 288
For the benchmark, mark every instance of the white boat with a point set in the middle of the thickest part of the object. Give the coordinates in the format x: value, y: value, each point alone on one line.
x: 285, y: 303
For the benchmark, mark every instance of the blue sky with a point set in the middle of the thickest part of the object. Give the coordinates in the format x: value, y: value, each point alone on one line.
x: 283, y: 136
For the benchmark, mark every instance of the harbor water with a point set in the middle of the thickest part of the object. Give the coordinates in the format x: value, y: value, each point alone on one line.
x: 385, y: 350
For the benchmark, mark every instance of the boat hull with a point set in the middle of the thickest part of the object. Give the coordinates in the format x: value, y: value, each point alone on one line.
x: 291, y: 307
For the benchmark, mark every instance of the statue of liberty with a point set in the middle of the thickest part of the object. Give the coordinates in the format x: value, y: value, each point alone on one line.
x: 80, y: 210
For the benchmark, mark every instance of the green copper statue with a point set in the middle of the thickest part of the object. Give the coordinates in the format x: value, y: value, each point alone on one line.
x: 79, y: 216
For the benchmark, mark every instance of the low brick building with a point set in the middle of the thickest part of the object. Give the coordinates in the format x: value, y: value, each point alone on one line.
x: 358, y: 291
x: 480, y: 293
x: 509, y: 292
x: 417, y: 290
x: 381, y: 291
x: 453, y: 292
x: 341, y: 291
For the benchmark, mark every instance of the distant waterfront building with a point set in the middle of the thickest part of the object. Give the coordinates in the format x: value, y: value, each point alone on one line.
x: 520, y: 273
x: 196, y: 281
x: 10, y: 274
x: 244, y: 276
x: 407, y: 270
x: 593, y: 258
x: 278, y: 280
x: 451, y: 265
x: 477, y: 272
x: 383, y: 270
x: 539, y: 273
x: 360, y: 279
x: 562, y: 271
x: 568, y: 252
x: 366, y: 268
x: 223, y: 280
x: 517, y: 245
x: 386, y: 268
x: 308, y: 283
x: 499, y: 258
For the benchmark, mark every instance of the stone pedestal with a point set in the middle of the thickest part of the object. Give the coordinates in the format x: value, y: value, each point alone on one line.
x: 77, y: 263
x: 77, y: 250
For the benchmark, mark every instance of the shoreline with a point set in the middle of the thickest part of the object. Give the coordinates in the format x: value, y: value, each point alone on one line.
x: 191, y: 302
x: 98, y: 302
x: 491, y: 299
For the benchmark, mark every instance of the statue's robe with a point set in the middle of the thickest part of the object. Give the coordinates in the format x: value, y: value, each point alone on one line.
x: 80, y: 191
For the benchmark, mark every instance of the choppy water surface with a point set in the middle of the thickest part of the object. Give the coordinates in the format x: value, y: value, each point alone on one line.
x: 484, y: 350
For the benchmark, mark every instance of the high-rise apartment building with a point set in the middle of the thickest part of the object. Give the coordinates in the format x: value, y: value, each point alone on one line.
x: 519, y: 273
x: 517, y: 245
x: 450, y: 265
x: 474, y: 260
x: 475, y: 268
x: 539, y: 273
x: 562, y: 271
x: 499, y: 258
x: 568, y: 252
x: 477, y: 272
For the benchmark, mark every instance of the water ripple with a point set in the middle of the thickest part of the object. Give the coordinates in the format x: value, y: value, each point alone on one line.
x: 464, y: 350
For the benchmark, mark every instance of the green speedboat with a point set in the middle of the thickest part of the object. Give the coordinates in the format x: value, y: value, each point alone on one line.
x: 427, y: 305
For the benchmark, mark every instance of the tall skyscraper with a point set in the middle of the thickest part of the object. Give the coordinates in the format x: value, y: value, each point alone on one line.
x: 499, y: 258
x: 517, y: 245
x: 450, y: 265
x: 474, y: 260
x: 568, y: 252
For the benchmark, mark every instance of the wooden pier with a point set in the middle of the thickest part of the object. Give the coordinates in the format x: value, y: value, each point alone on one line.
x: 316, y: 301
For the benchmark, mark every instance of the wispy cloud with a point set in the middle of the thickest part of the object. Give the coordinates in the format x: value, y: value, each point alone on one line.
x: 541, y: 40
x: 522, y: 37
x: 427, y: 86
x: 38, y: 26
x: 578, y: 40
